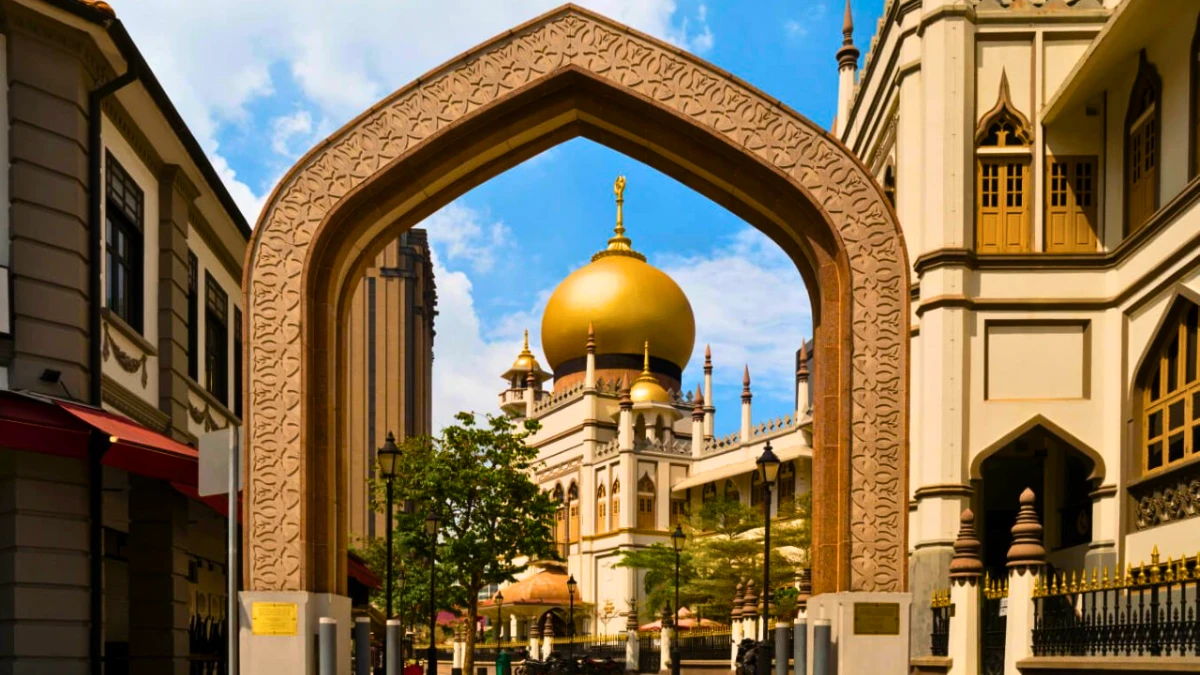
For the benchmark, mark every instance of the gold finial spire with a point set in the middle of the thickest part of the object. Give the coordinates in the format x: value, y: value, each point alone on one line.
x: 525, y: 347
x: 646, y: 358
x: 619, y: 244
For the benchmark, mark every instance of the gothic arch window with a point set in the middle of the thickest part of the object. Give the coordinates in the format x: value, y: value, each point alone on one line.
x: 645, y: 497
x: 787, y: 484
x: 708, y: 493
x: 639, y: 428
x: 1194, y: 125
x: 601, y: 509
x: 1143, y: 149
x: 889, y: 184
x: 1170, y: 391
x: 731, y: 491
x: 756, y: 491
x: 573, y: 511
x: 616, y: 504
x: 560, y: 515
x: 1002, y: 181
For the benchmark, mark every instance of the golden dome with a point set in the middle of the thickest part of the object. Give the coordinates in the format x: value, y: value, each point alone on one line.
x: 525, y: 363
x: 646, y: 388
x: 626, y: 299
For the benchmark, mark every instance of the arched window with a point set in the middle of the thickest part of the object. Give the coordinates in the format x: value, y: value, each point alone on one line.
x: 1002, y: 184
x: 787, y: 484
x: 645, y: 512
x: 731, y: 491
x: 616, y: 504
x: 639, y: 428
x: 708, y: 493
x: 560, y: 515
x: 889, y: 185
x: 756, y: 491
x: 573, y: 510
x: 601, y: 509
x: 1143, y: 151
x: 1171, y: 392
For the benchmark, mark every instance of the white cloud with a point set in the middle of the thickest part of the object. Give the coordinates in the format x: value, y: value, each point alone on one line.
x: 746, y: 295
x: 794, y: 29
x: 287, y: 127
x: 813, y: 13
x: 461, y: 234
x: 216, y: 58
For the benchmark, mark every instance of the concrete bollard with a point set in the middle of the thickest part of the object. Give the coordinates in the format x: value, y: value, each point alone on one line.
x: 800, y: 647
x: 394, y: 649
x: 822, y: 645
x: 362, y: 645
x: 781, y: 648
x: 327, y: 646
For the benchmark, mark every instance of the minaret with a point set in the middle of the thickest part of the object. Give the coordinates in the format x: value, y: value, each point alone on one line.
x: 709, y: 409
x: 802, y: 403
x: 530, y: 394
x: 746, y: 396
x: 698, y: 424
x: 625, y: 422
x: 847, y: 58
x: 589, y: 380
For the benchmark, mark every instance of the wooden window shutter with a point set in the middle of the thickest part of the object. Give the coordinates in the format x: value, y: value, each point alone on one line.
x: 1002, y: 208
x: 1071, y: 205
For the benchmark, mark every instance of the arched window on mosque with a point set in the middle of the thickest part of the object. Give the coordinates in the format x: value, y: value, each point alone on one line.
x: 1170, y: 383
x: 645, y: 497
x: 615, y: 511
x: 787, y: 485
x: 1143, y: 151
x: 889, y: 185
x: 708, y: 493
x: 639, y: 428
x: 560, y: 515
x: 601, y: 509
x: 1002, y: 183
x: 731, y: 491
x: 679, y: 507
x: 573, y: 509
x: 756, y: 491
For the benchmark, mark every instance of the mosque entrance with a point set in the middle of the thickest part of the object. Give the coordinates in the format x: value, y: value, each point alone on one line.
x: 566, y: 74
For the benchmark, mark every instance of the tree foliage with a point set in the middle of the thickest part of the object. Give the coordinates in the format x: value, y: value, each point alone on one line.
x: 493, y: 518
x: 724, y: 548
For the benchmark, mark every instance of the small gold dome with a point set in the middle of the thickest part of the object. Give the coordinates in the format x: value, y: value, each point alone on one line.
x: 627, y: 301
x: 526, y: 362
x: 646, y: 388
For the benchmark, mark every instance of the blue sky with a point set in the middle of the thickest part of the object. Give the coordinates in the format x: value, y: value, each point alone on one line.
x: 261, y: 82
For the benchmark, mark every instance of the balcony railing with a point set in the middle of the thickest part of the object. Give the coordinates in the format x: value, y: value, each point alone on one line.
x: 939, y: 637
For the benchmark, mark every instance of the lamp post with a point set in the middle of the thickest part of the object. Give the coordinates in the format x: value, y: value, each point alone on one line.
x: 571, y: 615
x: 389, y: 461
x: 677, y: 540
x: 431, y: 526
x: 768, y: 466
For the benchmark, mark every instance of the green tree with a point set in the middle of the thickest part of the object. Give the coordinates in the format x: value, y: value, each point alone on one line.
x: 493, y: 518
x: 724, y: 548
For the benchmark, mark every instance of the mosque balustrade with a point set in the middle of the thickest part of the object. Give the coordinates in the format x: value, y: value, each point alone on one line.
x: 610, y: 448
x: 665, y: 446
x: 771, y: 428
x: 1149, y: 611
x: 550, y: 401
x: 715, y: 446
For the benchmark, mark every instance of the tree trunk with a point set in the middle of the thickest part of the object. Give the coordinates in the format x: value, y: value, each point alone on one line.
x: 472, y: 625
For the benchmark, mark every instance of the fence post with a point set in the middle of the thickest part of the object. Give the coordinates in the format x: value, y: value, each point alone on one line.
x: 394, y: 648
x: 1026, y: 558
x: 327, y: 646
x: 535, y: 641
x: 548, y: 640
x: 750, y: 613
x: 735, y: 627
x: 781, y: 646
x: 822, y: 644
x: 664, y: 640
x: 965, y: 629
x: 632, y: 647
x: 800, y: 646
x: 362, y: 645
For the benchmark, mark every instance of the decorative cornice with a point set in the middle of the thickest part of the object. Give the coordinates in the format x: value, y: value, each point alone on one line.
x: 128, y: 362
x: 129, y: 403
x: 59, y: 35
x: 210, y: 404
x: 1167, y: 497
x: 944, y: 490
x: 123, y: 122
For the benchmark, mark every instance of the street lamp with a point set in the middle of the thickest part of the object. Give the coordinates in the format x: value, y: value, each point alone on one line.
x: 677, y: 540
x: 768, y: 467
x: 571, y: 616
x: 499, y: 620
x: 431, y: 526
x: 389, y: 462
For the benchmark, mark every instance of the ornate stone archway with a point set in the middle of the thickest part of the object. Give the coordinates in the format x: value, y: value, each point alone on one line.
x: 565, y: 74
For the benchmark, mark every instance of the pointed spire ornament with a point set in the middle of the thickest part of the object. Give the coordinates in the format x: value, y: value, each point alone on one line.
x: 847, y: 56
x: 708, y: 359
x: 966, y: 564
x: 737, y: 603
x: 802, y: 359
x: 619, y: 244
x: 591, y: 341
x: 746, y: 396
x: 1027, y: 551
x: 698, y: 404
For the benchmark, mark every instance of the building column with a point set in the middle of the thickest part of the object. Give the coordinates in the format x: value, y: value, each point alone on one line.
x: 747, y: 418
x: 158, y: 568
x: 710, y: 410
x: 176, y: 194
x: 1102, y: 553
x: 1026, y: 560
x: 965, y: 627
x: 698, y: 425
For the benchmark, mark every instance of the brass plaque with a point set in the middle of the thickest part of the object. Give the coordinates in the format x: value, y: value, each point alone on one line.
x: 273, y: 618
x: 876, y: 618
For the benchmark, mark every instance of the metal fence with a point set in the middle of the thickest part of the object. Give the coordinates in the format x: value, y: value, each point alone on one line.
x: 1149, y: 611
x: 704, y: 645
x: 939, y: 637
x: 649, y: 657
x: 603, y: 646
x: 995, y: 625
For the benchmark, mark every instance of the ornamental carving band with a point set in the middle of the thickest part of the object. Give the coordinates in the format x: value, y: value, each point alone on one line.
x: 128, y: 362
x: 877, y: 288
x: 1175, y: 500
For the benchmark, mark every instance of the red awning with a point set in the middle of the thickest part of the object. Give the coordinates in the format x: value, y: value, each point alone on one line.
x: 359, y: 571
x: 218, y: 503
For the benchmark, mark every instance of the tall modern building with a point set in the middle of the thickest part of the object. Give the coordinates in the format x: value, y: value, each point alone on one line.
x: 391, y: 364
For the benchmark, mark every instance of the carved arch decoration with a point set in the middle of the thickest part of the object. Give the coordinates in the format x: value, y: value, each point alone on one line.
x: 1004, y: 121
x: 1097, y: 474
x: 565, y: 74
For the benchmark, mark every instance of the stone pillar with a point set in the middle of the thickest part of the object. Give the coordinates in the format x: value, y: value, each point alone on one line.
x: 710, y: 411
x: 802, y: 403
x: 175, y: 195
x: 735, y: 626
x: 625, y: 422
x: 535, y: 641
x: 548, y: 640
x: 750, y: 612
x: 965, y: 628
x: 158, y: 568
x: 1026, y: 560
x: 589, y: 378
x: 632, y: 646
x: 746, y: 396
x: 664, y: 643
x: 530, y: 394
x: 698, y: 424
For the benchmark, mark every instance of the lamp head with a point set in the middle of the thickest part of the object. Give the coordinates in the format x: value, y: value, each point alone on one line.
x: 431, y: 524
x: 678, y: 538
x: 499, y: 597
x: 571, y: 584
x: 768, y: 465
x: 389, y: 457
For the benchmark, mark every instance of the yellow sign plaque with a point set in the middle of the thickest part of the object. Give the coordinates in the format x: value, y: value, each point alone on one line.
x: 273, y: 618
x: 876, y: 618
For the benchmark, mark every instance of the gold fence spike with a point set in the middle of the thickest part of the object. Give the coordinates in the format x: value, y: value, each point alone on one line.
x: 1037, y: 586
x: 1181, y: 572
x: 1005, y: 588
x: 1128, y: 581
x: 1154, y: 555
x: 1141, y: 574
x: 1170, y: 575
x: 1104, y: 582
x: 1095, y: 585
x: 1074, y: 587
